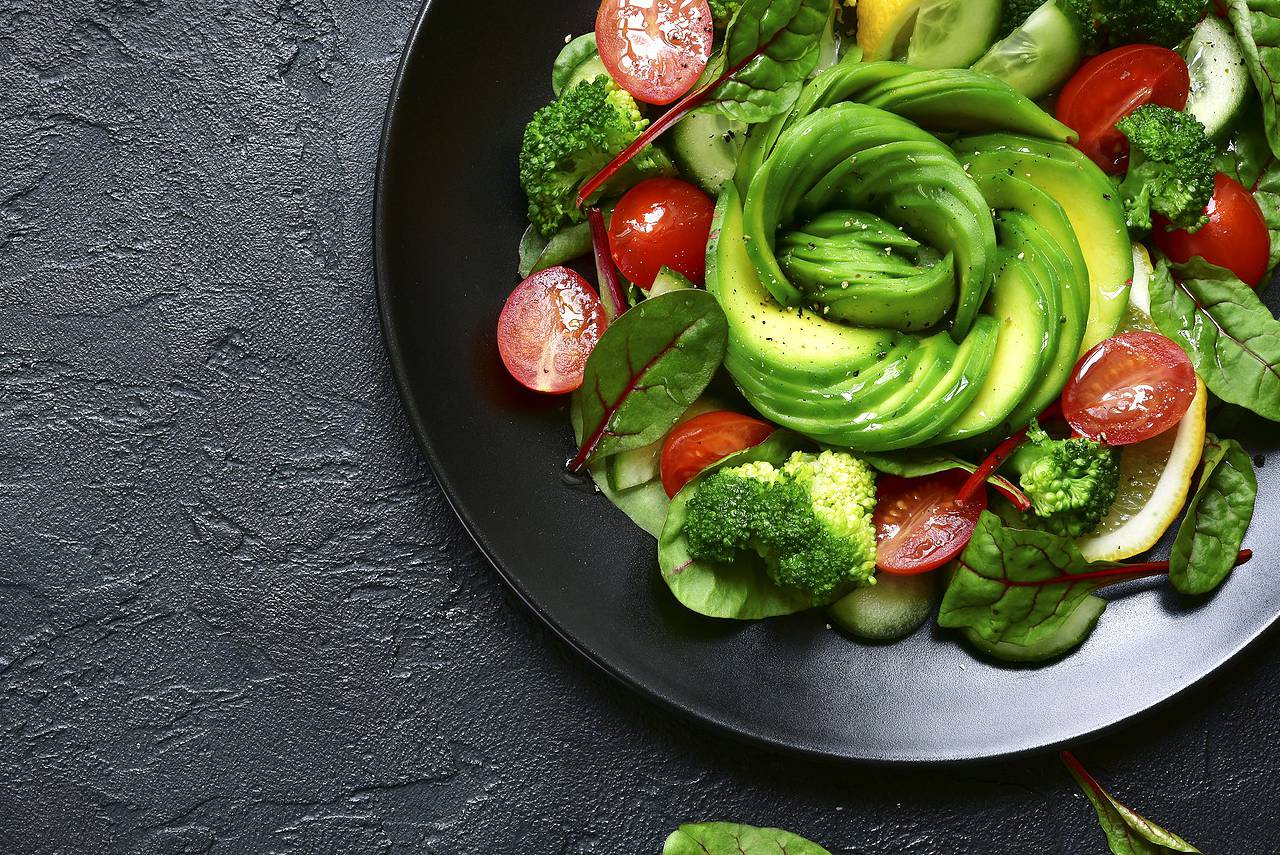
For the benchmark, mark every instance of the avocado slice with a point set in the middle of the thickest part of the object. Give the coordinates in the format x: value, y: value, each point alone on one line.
x: 863, y: 388
x: 1088, y: 199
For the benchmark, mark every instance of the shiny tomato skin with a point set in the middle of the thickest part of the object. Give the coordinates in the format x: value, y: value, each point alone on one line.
x: 1111, y: 86
x: 1236, y: 236
x: 548, y: 328
x: 661, y: 222
x: 919, y: 524
x: 1129, y: 388
x: 655, y: 49
x: 704, y: 440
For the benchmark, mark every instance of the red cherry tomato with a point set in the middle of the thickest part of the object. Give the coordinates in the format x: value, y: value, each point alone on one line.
x: 548, y: 328
x: 655, y: 49
x: 919, y: 523
x: 1129, y: 389
x: 1111, y: 86
x: 661, y: 222
x: 704, y: 440
x: 1235, y: 238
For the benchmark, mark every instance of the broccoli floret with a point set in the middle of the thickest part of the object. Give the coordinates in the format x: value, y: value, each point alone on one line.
x: 1079, y: 12
x: 810, y: 520
x: 571, y: 139
x: 1171, y: 168
x: 1072, y: 483
x: 1160, y: 22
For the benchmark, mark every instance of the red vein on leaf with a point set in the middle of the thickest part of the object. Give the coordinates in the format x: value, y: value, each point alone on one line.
x: 687, y: 105
x: 610, y: 287
x: 1117, y: 574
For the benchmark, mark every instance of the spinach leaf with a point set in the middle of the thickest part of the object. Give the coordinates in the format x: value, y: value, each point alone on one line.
x: 770, y: 49
x: 731, y: 838
x: 647, y: 368
x: 918, y: 464
x: 1217, y: 519
x: 1128, y: 832
x: 645, y: 504
x: 1248, y: 159
x: 1257, y: 26
x: 576, y: 54
x: 1231, y: 336
x: 538, y: 253
x: 741, y: 589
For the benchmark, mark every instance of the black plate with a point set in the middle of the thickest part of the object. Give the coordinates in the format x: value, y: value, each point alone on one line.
x: 449, y: 217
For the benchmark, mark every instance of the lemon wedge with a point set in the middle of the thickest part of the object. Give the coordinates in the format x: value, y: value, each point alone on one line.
x: 885, y: 27
x: 1156, y: 475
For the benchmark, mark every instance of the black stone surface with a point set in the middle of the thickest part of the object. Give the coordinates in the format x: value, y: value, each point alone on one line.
x: 236, y: 615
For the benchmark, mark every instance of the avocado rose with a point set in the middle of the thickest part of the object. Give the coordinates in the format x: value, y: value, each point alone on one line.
x: 888, y: 285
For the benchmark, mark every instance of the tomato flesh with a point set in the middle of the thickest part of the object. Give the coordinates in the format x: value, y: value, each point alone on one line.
x: 1111, y: 86
x: 920, y: 525
x: 706, y: 439
x: 548, y: 328
x: 1236, y: 236
x: 1130, y: 388
x: 661, y: 222
x: 655, y: 49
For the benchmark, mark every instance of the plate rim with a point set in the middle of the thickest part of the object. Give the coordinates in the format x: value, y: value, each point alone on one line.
x: 384, y: 291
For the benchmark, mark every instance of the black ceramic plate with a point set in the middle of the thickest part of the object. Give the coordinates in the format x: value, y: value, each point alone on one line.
x: 448, y: 220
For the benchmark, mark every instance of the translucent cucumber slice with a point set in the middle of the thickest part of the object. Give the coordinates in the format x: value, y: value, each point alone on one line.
x: 1219, y: 76
x: 893, y: 608
x: 953, y: 33
x: 1039, y: 55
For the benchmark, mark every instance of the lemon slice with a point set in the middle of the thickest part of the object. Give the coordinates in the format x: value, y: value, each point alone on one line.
x: 885, y: 27
x: 1156, y: 475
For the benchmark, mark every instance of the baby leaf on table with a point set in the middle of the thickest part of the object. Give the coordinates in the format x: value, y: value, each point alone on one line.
x: 1229, y: 333
x: 1217, y: 519
x: 1128, y: 832
x: 650, y: 365
x: 731, y: 838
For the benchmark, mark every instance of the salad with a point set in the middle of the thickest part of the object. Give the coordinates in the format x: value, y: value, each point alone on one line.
x: 907, y: 308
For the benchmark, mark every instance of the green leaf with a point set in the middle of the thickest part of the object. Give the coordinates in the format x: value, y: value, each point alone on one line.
x: 731, y: 838
x: 771, y: 48
x: 650, y: 365
x: 1018, y: 585
x: 537, y: 253
x: 1218, y: 517
x: 1257, y: 27
x: 1231, y: 336
x: 1128, y: 832
x: 740, y: 589
x: 575, y: 54
x: 1248, y: 159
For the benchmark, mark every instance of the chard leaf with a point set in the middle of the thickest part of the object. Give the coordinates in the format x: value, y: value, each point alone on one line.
x: 1257, y: 27
x: 538, y: 253
x: 645, y: 504
x: 740, y: 589
x: 1217, y: 519
x: 771, y: 48
x: 1231, y: 336
x: 731, y: 838
x: 650, y: 365
x: 1128, y: 832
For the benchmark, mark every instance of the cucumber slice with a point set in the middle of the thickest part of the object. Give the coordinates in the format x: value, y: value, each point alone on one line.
x: 1037, y: 56
x: 669, y: 280
x: 1068, y: 638
x: 953, y: 33
x: 630, y: 469
x: 706, y: 148
x: 579, y: 61
x: 1219, y: 76
x: 893, y: 608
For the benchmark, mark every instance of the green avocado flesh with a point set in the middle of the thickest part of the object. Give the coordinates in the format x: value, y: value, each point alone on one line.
x: 885, y: 289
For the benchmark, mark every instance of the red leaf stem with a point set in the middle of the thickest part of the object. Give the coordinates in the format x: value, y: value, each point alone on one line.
x: 994, y: 461
x: 615, y: 301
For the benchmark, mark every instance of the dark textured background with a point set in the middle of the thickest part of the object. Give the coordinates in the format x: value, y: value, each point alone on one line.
x: 236, y: 615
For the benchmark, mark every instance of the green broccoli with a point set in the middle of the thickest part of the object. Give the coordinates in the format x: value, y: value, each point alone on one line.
x: 810, y: 520
x: 1171, y: 168
x: 1072, y: 483
x: 573, y: 138
x: 1160, y: 22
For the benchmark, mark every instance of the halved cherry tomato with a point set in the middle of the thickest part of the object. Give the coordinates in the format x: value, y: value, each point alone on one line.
x: 704, y: 440
x: 1235, y: 238
x: 655, y: 49
x: 1111, y: 86
x: 661, y: 222
x: 548, y: 328
x: 920, y: 525
x: 1129, y: 388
